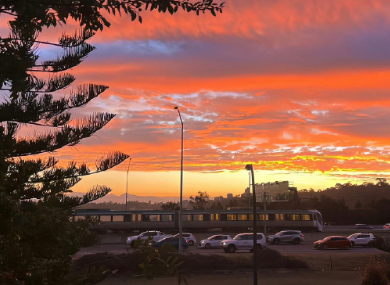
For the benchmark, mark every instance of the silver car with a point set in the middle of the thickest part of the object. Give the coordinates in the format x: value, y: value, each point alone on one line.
x: 213, y: 241
x: 189, y: 237
x: 289, y: 236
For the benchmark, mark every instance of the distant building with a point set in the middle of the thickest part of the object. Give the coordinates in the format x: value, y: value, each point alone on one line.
x: 277, y: 191
x: 247, y: 193
x: 218, y: 199
x: 229, y: 196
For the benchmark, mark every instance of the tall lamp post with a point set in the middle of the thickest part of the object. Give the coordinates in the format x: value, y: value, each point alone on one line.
x: 250, y: 168
x: 127, y: 180
x: 181, y: 185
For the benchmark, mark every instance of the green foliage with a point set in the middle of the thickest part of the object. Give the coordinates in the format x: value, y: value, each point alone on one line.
x: 376, y: 273
x: 200, y: 201
x: 170, y: 206
x: 158, y: 262
x: 350, y: 204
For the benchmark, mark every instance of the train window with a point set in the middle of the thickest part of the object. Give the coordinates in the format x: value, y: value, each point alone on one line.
x: 197, y: 218
x: 231, y: 217
x: 242, y: 217
x: 296, y: 217
x: 280, y: 217
x: 137, y: 218
x: 78, y: 218
x: 166, y: 218
x: 117, y: 218
x: 223, y: 217
x: 145, y: 218
x: 215, y: 217
x: 186, y: 218
x: 105, y: 218
x: 206, y: 217
x: 127, y: 218
x: 261, y: 217
x: 306, y: 217
x: 154, y: 218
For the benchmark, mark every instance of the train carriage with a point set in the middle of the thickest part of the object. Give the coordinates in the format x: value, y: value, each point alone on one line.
x: 198, y: 220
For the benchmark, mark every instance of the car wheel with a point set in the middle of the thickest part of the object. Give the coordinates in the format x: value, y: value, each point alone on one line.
x: 296, y: 241
x: 207, y: 245
x: 132, y: 244
x: 231, y: 248
x: 191, y: 243
x: 352, y: 244
x: 276, y: 241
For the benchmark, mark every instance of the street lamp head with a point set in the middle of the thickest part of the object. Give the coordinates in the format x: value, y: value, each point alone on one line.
x: 176, y: 108
x: 248, y: 167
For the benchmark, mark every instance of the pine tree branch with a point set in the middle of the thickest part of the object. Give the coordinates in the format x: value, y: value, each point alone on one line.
x: 67, y: 136
x: 30, y: 110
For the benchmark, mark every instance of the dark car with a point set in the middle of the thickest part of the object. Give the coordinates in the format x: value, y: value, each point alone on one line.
x: 171, y: 241
x: 362, y: 226
x: 333, y: 242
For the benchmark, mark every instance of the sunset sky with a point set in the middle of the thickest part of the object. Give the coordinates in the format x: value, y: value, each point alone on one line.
x: 298, y: 88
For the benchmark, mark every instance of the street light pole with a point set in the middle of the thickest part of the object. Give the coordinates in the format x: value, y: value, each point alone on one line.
x: 181, y: 185
x: 127, y: 180
x: 250, y: 168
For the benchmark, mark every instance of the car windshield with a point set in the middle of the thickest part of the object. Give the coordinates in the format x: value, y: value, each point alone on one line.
x: 278, y: 233
x: 210, y: 238
x: 237, y: 237
x: 353, y: 235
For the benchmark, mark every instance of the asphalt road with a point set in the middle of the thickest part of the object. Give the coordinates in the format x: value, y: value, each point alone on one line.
x: 116, y: 244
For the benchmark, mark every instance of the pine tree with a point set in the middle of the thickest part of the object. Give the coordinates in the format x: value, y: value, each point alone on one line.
x: 37, y: 237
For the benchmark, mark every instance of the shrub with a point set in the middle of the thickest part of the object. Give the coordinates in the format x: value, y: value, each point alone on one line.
x: 382, y: 243
x: 376, y: 273
x: 191, y: 262
x: 269, y: 258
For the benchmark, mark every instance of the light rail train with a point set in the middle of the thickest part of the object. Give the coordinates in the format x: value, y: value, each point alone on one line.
x: 198, y: 220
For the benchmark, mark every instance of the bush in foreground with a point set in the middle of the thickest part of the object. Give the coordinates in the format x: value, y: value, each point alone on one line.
x: 376, y: 273
x: 191, y: 263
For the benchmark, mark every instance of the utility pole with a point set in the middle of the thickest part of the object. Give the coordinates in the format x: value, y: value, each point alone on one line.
x: 250, y: 168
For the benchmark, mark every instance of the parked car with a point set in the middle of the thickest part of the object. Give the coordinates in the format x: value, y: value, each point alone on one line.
x: 171, y: 241
x: 386, y: 226
x: 153, y: 235
x: 288, y: 236
x: 363, y: 239
x: 363, y: 226
x: 213, y: 241
x: 333, y: 242
x: 243, y: 241
x: 191, y: 240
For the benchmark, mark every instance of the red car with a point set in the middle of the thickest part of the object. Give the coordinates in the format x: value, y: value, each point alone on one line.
x: 333, y: 242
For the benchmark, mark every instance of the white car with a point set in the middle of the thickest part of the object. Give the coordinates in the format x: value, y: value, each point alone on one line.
x: 153, y: 235
x: 362, y: 239
x: 189, y: 237
x: 213, y: 241
x: 243, y: 241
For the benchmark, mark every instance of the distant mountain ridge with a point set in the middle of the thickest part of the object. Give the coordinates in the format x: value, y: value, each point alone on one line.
x: 121, y: 199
